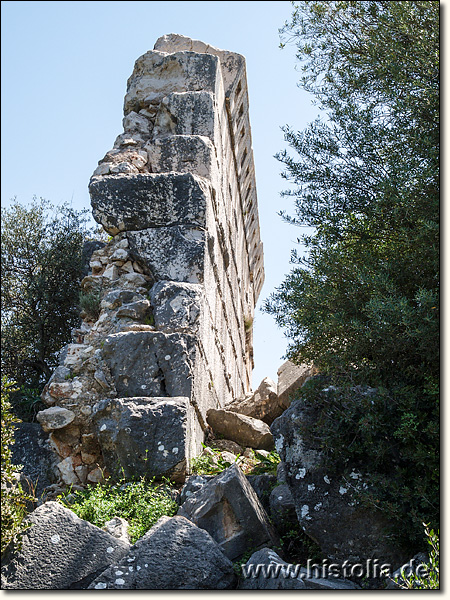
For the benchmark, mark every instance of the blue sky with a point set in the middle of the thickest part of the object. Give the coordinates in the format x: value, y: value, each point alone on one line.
x: 64, y: 71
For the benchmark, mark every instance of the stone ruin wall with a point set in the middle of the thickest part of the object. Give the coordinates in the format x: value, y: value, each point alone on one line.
x: 178, y: 281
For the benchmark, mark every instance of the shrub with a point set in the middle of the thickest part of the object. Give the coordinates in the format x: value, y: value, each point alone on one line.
x: 89, y: 303
x: 13, y: 498
x: 141, y: 503
x: 428, y: 578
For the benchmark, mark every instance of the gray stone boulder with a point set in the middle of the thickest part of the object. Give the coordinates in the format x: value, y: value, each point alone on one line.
x: 326, y: 507
x: 38, y: 462
x: 263, y: 404
x: 173, y: 555
x: 265, y: 570
x: 144, y: 436
x: 143, y: 200
x: 291, y: 377
x: 243, y: 430
x: 228, y: 508
x: 150, y: 363
x: 59, y: 551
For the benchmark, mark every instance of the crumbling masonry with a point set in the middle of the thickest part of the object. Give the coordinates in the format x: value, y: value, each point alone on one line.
x: 177, y: 283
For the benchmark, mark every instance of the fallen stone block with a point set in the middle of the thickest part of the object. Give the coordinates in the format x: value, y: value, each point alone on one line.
x: 290, y: 378
x: 228, y: 508
x: 144, y: 436
x: 192, y: 485
x: 59, y: 551
x: 264, y: 404
x: 243, y: 430
x: 173, y: 555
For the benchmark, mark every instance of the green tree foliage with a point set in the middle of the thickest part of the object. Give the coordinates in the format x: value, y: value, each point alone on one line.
x: 363, y: 305
x: 13, y: 498
x: 41, y: 259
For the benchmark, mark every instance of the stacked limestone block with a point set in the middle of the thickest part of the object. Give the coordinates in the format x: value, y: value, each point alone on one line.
x: 180, y: 278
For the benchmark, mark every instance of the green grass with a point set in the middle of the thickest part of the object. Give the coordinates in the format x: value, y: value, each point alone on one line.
x: 141, y: 503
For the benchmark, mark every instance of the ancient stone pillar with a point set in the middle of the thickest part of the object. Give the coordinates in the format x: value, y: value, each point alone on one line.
x: 179, y: 280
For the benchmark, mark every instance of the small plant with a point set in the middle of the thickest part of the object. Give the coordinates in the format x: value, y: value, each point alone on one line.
x: 149, y: 320
x: 13, y: 497
x: 26, y: 403
x: 209, y: 464
x: 141, y: 503
x: 89, y: 303
x: 266, y: 464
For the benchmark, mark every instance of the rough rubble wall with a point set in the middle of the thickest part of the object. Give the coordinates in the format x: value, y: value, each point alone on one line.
x: 180, y: 278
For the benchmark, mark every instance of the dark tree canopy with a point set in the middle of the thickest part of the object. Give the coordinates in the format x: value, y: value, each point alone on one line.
x: 41, y: 259
x: 364, y: 303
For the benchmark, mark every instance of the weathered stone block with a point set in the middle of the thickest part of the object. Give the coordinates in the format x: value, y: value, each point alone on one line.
x: 232, y: 63
x: 184, y: 154
x: 186, y: 113
x: 59, y: 551
x: 173, y: 555
x: 135, y: 202
x: 228, y: 508
x: 144, y: 436
x: 176, y: 306
x: 156, y: 75
x: 150, y: 363
x: 171, y: 253
x: 243, y: 430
